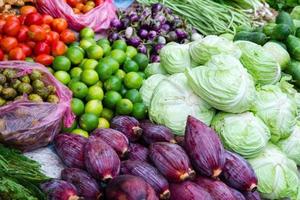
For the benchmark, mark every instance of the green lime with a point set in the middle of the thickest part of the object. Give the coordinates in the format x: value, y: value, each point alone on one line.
x: 133, y: 95
x: 77, y: 106
x: 111, y: 98
x: 95, y: 92
x: 104, y: 70
x: 28, y: 59
x: 103, y: 123
x: 139, y: 111
x: 127, y: 59
x: 89, y: 76
x: 85, y: 44
x: 120, y: 74
x: 76, y: 72
x: 87, y: 32
x: 133, y: 80
x: 111, y: 62
x: 131, y: 51
x: 106, y: 49
x: 142, y: 60
x: 94, y: 52
x: 119, y: 44
x: 61, y: 63
x: 118, y: 55
x: 75, y: 55
x: 88, y: 121
x: 113, y: 83
x: 82, y: 62
x: 79, y: 89
x: 89, y: 64
x: 103, y: 41
x: 71, y: 128
x: 74, y: 44
x: 63, y: 77
x: 81, y: 132
x: 94, y: 106
x: 124, y: 107
x: 100, y: 84
x: 50, y: 70
x: 142, y: 74
x: 73, y: 80
x: 123, y: 90
x: 107, y: 114
x: 131, y: 66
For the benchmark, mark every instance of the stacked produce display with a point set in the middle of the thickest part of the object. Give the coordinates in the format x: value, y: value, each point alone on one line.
x: 179, y: 100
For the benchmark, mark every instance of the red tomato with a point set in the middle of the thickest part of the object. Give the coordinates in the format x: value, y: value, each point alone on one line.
x: 1, y: 55
x: 22, y: 19
x: 26, y: 49
x: 67, y: 36
x: 73, y: 3
x: 54, y: 35
x: 25, y: 10
x: 33, y: 18
x: 37, y: 33
x: 41, y: 48
x: 80, y: 6
x: 99, y: 2
x: 31, y: 44
x: 16, y: 54
x: 2, y: 23
x: 59, y: 24
x: 47, y: 19
x: 11, y: 27
x: 8, y: 43
x: 23, y: 34
x: 46, y: 27
x: 12, y: 18
x: 44, y: 59
x: 58, y: 48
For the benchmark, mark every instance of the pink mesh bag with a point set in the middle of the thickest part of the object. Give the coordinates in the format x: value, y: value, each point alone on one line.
x: 98, y: 19
x: 28, y: 125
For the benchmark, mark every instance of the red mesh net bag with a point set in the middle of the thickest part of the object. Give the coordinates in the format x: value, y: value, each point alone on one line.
x: 98, y: 19
x: 28, y: 125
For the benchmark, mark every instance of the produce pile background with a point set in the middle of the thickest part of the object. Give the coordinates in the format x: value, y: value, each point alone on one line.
x: 149, y: 99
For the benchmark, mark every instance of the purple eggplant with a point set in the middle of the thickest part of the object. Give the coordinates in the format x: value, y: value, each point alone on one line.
x: 238, y: 173
x: 252, y: 195
x: 113, y: 36
x: 142, y: 48
x: 217, y: 189
x: 101, y: 161
x: 134, y: 41
x: 204, y: 148
x: 116, y: 23
x: 154, y: 58
x: 129, y: 32
x: 128, y: 126
x: 70, y: 148
x: 188, y: 191
x: 117, y: 140
x: 149, y: 173
x: 157, y: 48
x: 59, y: 190
x: 138, y: 152
x: 172, y: 161
x: 156, y: 133
x: 156, y: 7
x: 181, y: 34
x: 237, y: 194
x: 129, y: 187
x: 143, y: 33
x: 86, y: 186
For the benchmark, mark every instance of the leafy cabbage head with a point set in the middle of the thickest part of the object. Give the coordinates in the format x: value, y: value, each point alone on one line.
x: 291, y: 145
x: 277, y: 175
x: 154, y: 68
x: 259, y: 63
x: 242, y: 133
x: 175, y: 57
x: 279, y: 53
x: 149, y: 86
x: 224, y: 83
x: 202, y: 50
x: 277, y: 110
x: 173, y: 101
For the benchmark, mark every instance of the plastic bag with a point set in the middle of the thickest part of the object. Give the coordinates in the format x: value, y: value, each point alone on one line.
x: 98, y: 19
x: 28, y: 125
x: 123, y: 3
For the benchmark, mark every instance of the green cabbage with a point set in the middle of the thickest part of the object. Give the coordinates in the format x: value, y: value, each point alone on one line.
x: 259, y: 63
x: 279, y: 53
x: 175, y: 57
x: 224, y: 83
x: 295, y: 14
x: 202, y: 50
x: 277, y: 175
x: 243, y: 133
x: 149, y: 86
x: 291, y: 145
x: 277, y: 110
x: 154, y: 68
x: 173, y: 101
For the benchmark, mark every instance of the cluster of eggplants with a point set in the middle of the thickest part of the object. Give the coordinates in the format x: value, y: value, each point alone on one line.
x: 149, y: 28
x: 154, y: 166
x: 59, y: 190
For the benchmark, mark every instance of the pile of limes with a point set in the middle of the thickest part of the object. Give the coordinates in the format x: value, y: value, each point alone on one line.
x: 104, y: 78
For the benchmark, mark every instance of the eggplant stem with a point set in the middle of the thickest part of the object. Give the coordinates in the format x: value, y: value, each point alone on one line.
x: 252, y: 187
x: 165, y: 195
x: 216, y: 172
x: 107, y: 177
x: 137, y: 130
x: 184, y: 176
x: 74, y: 197
x: 173, y: 141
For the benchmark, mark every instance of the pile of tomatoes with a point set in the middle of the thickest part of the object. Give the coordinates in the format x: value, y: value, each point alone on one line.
x: 33, y: 36
x: 83, y: 6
